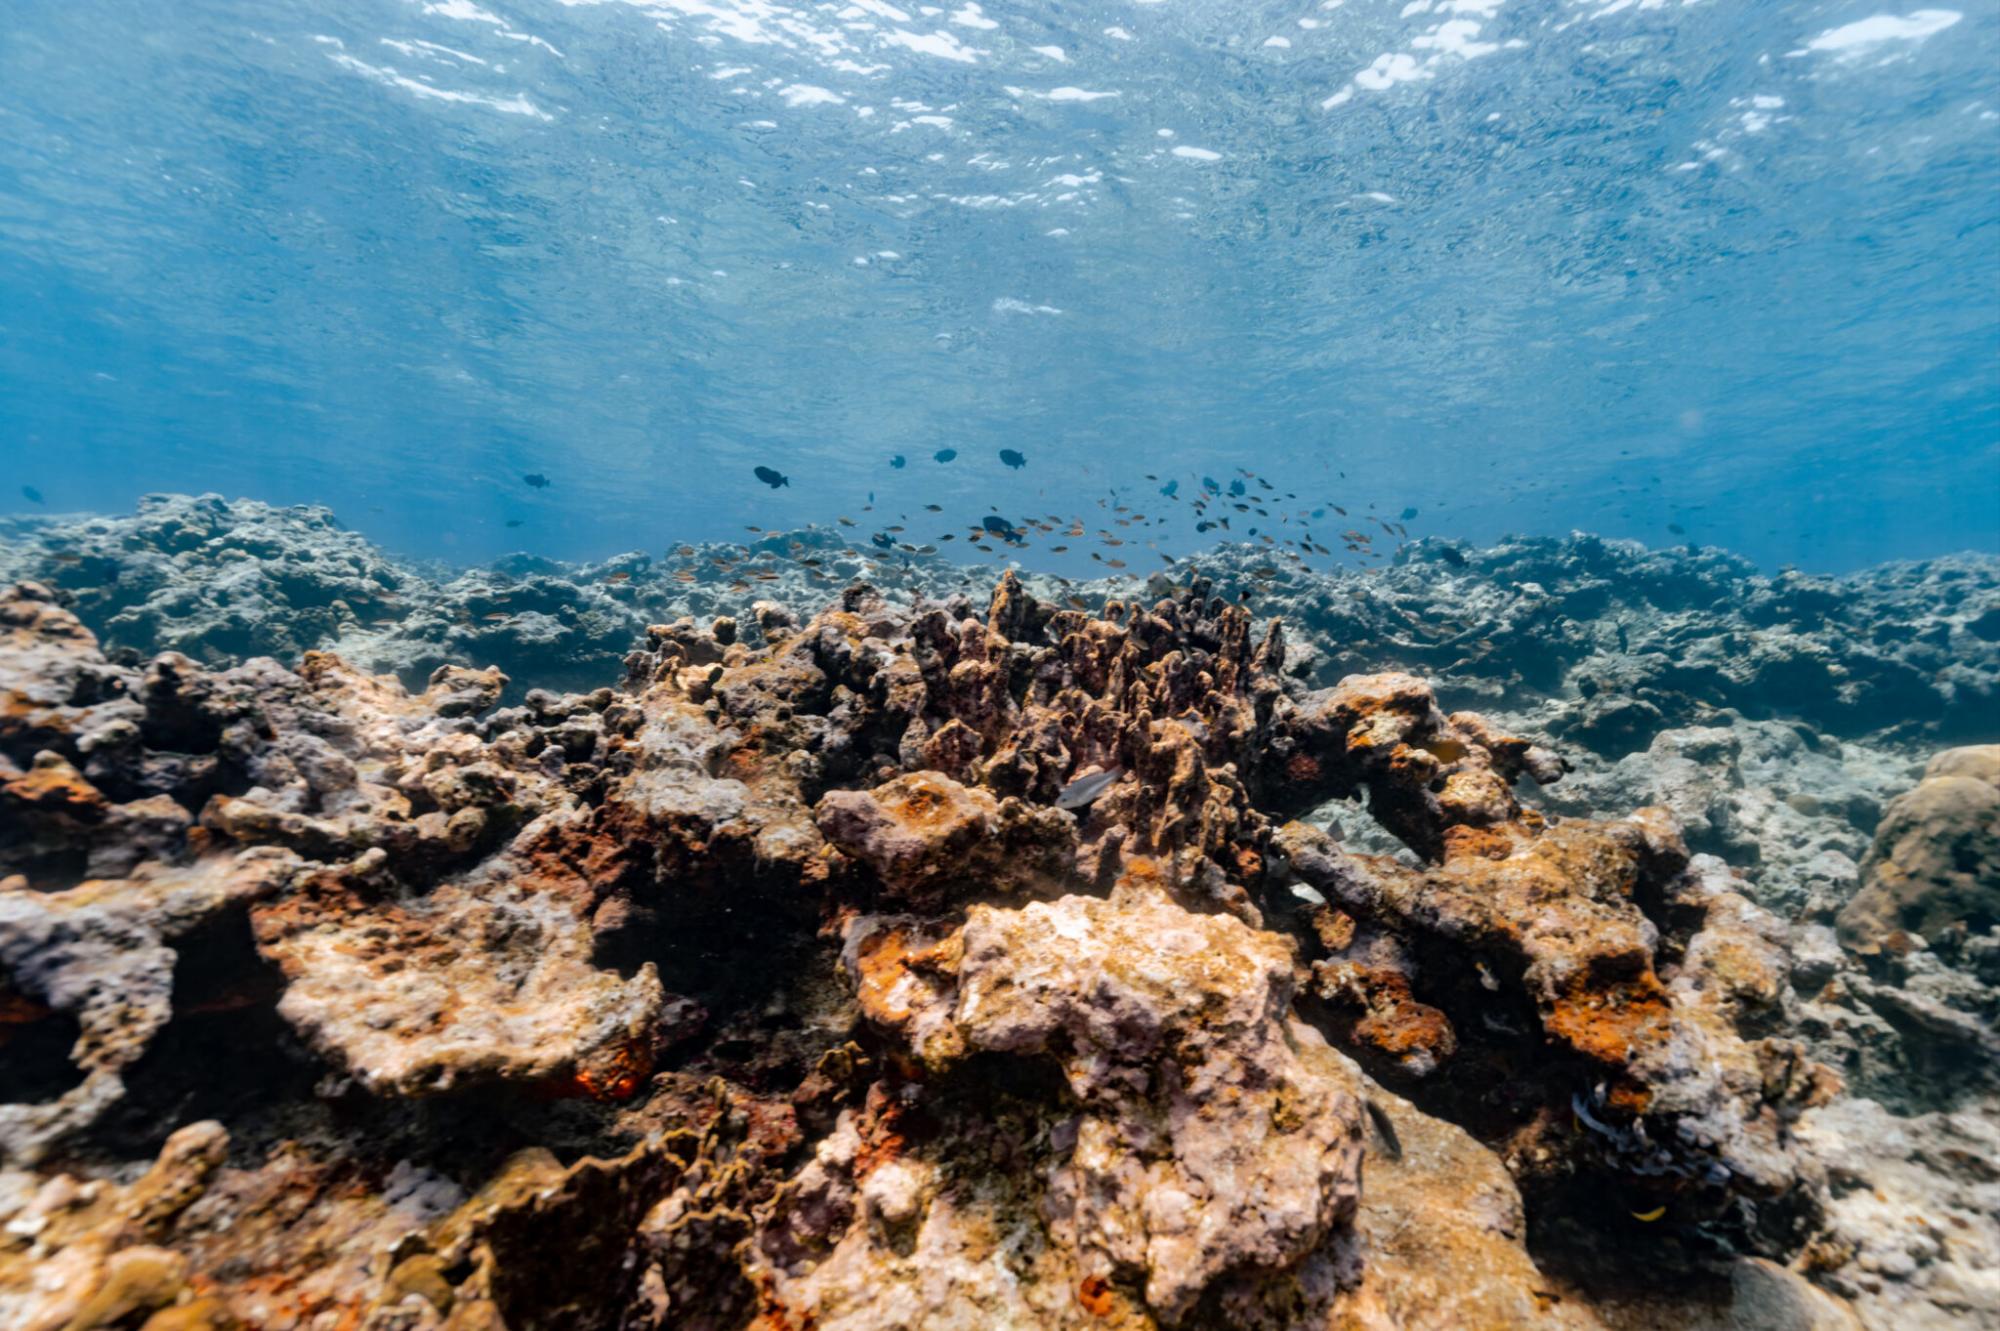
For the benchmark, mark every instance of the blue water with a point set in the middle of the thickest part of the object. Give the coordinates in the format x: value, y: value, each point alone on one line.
x: 1731, y: 268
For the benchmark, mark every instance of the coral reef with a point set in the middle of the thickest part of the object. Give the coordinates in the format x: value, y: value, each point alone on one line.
x: 1031, y: 962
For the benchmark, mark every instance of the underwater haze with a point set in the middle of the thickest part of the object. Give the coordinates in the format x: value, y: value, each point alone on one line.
x: 1720, y: 272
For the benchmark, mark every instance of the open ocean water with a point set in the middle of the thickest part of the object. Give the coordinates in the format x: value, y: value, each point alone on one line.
x: 1720, y: 272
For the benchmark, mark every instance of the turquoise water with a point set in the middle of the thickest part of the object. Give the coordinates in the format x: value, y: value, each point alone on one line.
x: 1722, y: 272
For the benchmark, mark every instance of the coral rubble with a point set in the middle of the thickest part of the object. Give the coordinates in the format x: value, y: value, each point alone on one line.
x: 918, y: 963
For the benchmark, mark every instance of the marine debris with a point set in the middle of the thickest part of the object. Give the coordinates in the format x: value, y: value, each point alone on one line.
x: 934, y: 961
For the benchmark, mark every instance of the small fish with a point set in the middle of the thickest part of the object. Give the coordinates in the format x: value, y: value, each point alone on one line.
x: 1000, y: 527
x: 1650, y: 1216
x: 1085, y: 789
x: 619, y: 577
x: 1208, y: 483
x: 898, y: 462
x: 1677, y: 529
x: 513, y: 522
x: 34, y: 496
x: 770, y: 477
x: 1385, y: 1128
x: 1057, y: 549
x: 1408, y: 513
x: 534, y: 480
x: 493, y: 617
x: 945, y: 454
x: 845, y: 522
x: 1236, y: 489
x: 934, y: 508
x: 1451, y: 557
x: 1169, y: 488
x: 1013, y: 459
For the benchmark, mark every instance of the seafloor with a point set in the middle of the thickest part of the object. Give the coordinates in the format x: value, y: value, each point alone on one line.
x: 729, y: 941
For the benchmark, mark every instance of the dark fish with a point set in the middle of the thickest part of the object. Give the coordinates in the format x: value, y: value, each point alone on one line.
x: 1677, y: 529
x: 1000, y: 527
x: 1408, y: 513
x: 513, y: 522
x: 1085, y: 789
x: 945, y: 454
x: 34, y: 496
x: 1236, y: 489
x: 770, y: 477
x: 898, y: 461
x: 883, y: 540
x: 1208, y: 483
x: 534, y: 480
x: 1169, y: 488
x: 1451, y: 557
x: 1392, y: 1146
x: 1013, y: 459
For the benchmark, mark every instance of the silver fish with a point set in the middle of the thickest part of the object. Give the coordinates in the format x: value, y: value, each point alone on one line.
x: 1084, y: 789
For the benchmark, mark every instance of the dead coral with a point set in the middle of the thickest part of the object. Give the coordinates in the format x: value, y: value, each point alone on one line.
x: 1061, y: 1083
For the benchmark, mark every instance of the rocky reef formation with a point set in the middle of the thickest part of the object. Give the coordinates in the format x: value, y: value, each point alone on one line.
x: 1050, y: 959
x: 1606, y: 643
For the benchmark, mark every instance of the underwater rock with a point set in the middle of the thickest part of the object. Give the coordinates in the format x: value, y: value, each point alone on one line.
x: 216, y: 580
x: 472, y: 981
x: 1913, y: 1226
x: 1549, y: 935
x: 100, y: 955
x: 1794, y: 809
x: 1192, y: 1145
x: 1609, y: 642
x: 923, y: 833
